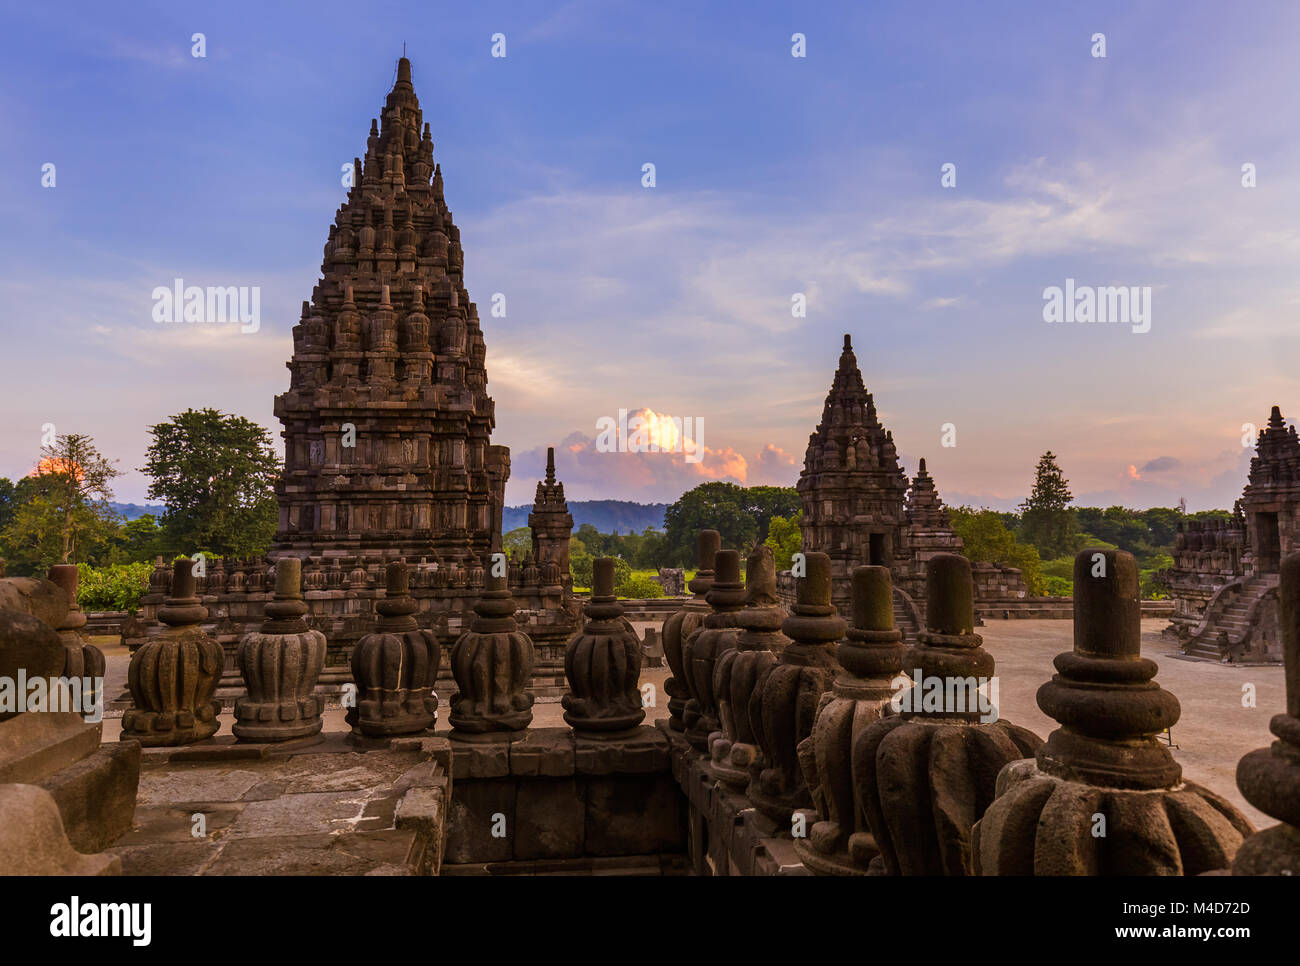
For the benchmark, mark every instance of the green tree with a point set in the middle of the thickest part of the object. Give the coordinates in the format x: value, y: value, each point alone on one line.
x: 518, y: 543
x: 60, y: 514
x: 985, y: 538
x: 1046, y: 521
x: 216, y: 473
x: 653, y: 551
x: 135, y: 540
x: 720, y: 506
x: 8, y: 502
x: 785, y: 538
x: 583, y: 570
x: 765, y: 503
x: 598, y: 544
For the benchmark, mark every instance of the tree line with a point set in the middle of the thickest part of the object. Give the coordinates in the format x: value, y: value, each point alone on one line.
x: 214, y: 471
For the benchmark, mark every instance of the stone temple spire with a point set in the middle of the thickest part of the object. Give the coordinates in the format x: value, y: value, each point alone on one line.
x: 924, y: 508
x: 929, y: 531
x: 387, y: 420
x: 852, y: 487
x: 1277, y: 453
x: 551, y: 522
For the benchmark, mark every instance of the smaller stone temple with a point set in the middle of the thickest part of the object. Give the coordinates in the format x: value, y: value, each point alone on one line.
x: 860, y: 509
x: 551, y: 523
x: 1225, y: 574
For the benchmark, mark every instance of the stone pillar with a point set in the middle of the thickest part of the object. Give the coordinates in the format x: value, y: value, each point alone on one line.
x: 786, y: 700
x: 493, y: 665
x: 1270, y: 777
x: 602, y: 664
x: 395, y: 667
x: 173, y: 676
x: 715, y: 636
x: 280, y: 664
x: 925, y: 776
x: 739, y: 670
x: 85, y: 663
x: 872, y: 658
x: 685, y: 622
x: 1105, y: 796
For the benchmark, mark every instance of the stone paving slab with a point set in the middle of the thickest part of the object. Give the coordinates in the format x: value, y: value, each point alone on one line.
x: 326, y: 809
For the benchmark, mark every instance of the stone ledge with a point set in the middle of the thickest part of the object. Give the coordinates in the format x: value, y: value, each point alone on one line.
x: 34, y: 744
x: 728, y: 835
x: 634, y: 865
x: 558, y: 753
x: 96, y: 796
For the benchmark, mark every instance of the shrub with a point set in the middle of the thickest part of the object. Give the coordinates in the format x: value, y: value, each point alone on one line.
x: 1061, y: 567
x: 638, y: 586
x: 1057, y: 587
x: 581, y: 569
x: 115, y: 587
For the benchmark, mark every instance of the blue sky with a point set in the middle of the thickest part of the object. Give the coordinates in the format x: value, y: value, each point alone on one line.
x: 775, y: 175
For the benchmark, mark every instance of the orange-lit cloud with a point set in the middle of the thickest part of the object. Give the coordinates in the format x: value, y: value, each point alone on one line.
x: 648, y: 476
x: 53, y: 464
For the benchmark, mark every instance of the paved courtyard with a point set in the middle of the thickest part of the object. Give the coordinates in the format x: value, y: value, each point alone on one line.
x: 1214, y: 732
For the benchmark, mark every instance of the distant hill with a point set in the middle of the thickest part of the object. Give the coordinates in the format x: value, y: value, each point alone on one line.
x: 133, y: 511
x: 607, y: 516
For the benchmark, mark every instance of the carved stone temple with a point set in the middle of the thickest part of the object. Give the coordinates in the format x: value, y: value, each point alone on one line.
x: 860, y: 509
x: 1224, y: 580
x: 387, y: 421
x: 387, y: 432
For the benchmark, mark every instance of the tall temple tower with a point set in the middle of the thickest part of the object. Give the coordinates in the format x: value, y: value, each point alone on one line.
x: 851, y: 487
x: 859, y: 508
x: 387, y: 420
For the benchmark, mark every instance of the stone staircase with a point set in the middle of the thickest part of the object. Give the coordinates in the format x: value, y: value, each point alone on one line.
x: 1230, y: 615
x: 904, y: 618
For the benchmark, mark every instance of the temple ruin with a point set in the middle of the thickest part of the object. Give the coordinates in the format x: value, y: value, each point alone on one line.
x: 801, y: 732
x: 387, y: 435
x: 859, y: 507
x: 1224, y: 580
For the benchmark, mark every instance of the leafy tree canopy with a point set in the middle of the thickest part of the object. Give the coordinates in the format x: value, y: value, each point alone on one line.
x: 216, y: 473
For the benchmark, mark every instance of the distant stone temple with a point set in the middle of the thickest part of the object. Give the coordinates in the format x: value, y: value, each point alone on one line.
x: 1224, y: 580
x: 387, y: 431
x: 859, y: 508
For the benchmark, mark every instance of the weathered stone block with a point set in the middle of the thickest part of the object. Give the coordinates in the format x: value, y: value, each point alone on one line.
x: 550, y: 819
x: 543, y: 753
x: 478, y: 760
x: 645, y: 751
x: 631, y: 815
x: 424, y: 810
x: 96, y: 797
x: 32, y: 841
x: 34, y: 745
x: 478, y: 808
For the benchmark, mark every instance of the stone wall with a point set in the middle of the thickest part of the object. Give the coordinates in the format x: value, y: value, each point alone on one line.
x: 553, y: 801
x: 341, y: 604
